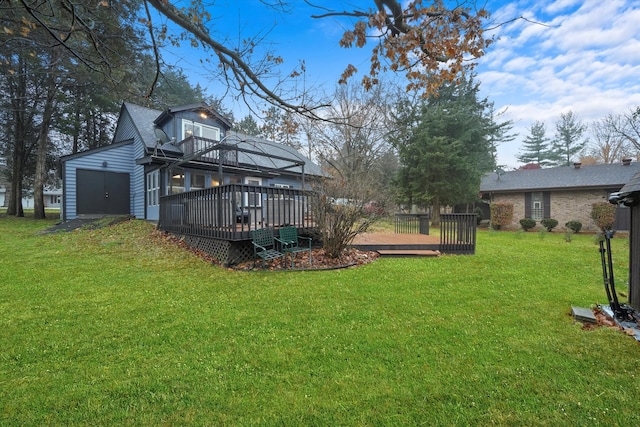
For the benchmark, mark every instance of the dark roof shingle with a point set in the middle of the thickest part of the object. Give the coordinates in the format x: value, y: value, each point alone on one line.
x: 563, y: 177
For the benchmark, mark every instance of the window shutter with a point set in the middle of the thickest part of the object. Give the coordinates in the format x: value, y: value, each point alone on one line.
x: 546, y: 202
x: 527, y: 205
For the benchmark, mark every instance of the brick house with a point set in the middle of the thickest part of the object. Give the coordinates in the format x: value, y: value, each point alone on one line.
x: 564, y: 193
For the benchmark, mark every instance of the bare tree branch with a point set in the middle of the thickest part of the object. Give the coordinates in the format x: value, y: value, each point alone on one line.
x: 231, y: 61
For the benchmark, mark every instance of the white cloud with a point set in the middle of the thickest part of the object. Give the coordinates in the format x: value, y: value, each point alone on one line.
x: 560, y: 5
x: 586, y: 61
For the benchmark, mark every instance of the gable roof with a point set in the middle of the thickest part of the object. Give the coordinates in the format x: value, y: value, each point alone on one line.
x: 199, y: 106
x: 560, y: 178
x: 145, y: 121
x: 96, y: 150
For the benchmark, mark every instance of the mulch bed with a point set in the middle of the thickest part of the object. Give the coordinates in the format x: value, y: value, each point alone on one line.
x: 319, y: 259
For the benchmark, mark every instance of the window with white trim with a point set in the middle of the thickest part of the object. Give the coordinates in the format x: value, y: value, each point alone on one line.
x: 253, y: 199
x: 537, y: 206
x: 198, y: 129
x: 153, y: 188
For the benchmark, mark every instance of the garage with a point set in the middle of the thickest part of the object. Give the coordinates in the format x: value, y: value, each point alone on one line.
x: 102, y: 192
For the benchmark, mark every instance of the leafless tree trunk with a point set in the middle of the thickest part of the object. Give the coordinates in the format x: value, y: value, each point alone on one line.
x: 18, y: 93
x: 43, y: 138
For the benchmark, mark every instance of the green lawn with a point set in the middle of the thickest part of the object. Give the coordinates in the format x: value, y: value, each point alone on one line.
x: 114, y: 327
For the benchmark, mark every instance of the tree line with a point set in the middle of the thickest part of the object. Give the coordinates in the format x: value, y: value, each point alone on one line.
x: 606, y: 140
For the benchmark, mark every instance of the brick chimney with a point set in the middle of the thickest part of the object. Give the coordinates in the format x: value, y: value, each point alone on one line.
x: 626, y: 161
x: 577, y: 165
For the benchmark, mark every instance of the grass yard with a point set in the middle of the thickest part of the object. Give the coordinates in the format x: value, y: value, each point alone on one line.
x: 113, y: 327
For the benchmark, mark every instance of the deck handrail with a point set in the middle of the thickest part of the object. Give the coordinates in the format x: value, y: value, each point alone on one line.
x: 230, y: 211
x: 458, y: 233
x: 411, y: 223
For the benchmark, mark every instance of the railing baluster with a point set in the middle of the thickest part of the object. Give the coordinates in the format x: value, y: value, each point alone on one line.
x: 458, y: 233
x: 211, y: 212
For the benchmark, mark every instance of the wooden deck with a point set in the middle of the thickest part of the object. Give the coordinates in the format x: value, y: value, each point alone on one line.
x: 392, y: 244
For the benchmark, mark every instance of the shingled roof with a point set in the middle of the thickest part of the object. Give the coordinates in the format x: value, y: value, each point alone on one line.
x: 560, y: 178
x: 633, y: 186
x: 144, y: 120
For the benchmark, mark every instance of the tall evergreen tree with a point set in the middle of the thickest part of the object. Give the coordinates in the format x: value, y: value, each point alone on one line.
x: 448, y: 146
x: 248, y: 126
x: 567, y: 142
x: 49, y: 72
x: 535, y: 147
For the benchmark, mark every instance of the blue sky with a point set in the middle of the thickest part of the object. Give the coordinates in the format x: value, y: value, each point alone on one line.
x: 586, y: 58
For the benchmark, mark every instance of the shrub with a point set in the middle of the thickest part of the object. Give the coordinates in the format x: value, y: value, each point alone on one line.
x: 574, y: 226
x: 339, y: 223
x: 527, y: 223
x: 501, y: 214
x: 549, y: 223
x: 604, y: 215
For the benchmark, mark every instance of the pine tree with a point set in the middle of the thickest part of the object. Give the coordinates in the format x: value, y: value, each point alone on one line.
x: 248, y: 126
x: 446, y: 147
x: 536, y: 146
x: 567, y: 143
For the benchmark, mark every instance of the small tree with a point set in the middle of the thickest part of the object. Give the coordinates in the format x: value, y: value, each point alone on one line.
x: 340, y: 213
x: 604, y: 215
x: 501, y: 214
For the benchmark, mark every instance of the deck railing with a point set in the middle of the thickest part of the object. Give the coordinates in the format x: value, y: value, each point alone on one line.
x: 209, y: 150
x: 411, y: 223
x: 458, y: 233
x: 230, y: 211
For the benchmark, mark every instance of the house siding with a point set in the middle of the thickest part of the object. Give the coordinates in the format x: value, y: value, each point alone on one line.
x: 564, y: 206
x: 136, y: 141
x: 119, y: 159
x: 126, y: 130
x: 138, y: 182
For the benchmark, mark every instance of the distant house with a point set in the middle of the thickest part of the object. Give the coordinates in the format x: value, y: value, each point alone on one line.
x: 563, y: 193
x: 182, y: 149
x: 52, y: 194
x: 52, y: 198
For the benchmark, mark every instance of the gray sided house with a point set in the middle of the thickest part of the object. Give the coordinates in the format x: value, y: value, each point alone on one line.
x: 563, y: 193
x: 179, y: 150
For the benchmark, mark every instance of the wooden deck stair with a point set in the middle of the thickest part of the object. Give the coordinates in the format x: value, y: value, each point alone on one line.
x: 408, y: 253
x: 398, y: 245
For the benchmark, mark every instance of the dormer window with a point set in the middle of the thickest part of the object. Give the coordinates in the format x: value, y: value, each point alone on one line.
x: 198, y: 129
